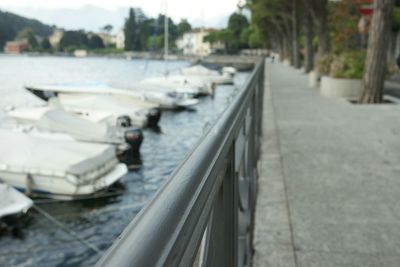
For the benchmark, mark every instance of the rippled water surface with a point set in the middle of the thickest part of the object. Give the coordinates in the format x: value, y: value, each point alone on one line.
x: 100, y: 221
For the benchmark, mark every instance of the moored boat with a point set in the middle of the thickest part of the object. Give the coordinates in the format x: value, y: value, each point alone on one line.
x: 139, y: 94
x: 199, y: 71
x: 57, y: 168
x: 56, y: 123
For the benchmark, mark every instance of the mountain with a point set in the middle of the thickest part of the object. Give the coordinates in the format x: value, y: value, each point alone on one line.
x: 11, y: 24
x: 92, y: 18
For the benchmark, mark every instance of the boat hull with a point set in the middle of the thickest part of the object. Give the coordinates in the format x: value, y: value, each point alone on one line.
x: 59, y: 187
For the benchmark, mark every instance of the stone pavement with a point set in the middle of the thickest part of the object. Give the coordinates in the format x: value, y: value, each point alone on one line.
x: 329, y: 185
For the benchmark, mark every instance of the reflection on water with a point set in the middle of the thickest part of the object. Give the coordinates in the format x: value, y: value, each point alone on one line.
x: 100, y: 221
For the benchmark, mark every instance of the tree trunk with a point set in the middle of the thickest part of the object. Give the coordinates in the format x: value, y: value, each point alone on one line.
x: 286, y: 49
x: 319, y: 12
x: 295, y: 35
x: 309, y: 50
x: 378, y: 42
x: 288, y: 36
x: 281, y: 48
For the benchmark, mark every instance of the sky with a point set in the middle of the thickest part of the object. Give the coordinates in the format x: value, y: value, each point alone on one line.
x: 69, y: 14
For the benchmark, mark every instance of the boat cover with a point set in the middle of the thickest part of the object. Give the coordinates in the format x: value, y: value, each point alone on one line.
x: 57, y: 120
x: 199, y: 70
x: 23, y: 153
x: 101, y: 102
x: 13, y: 202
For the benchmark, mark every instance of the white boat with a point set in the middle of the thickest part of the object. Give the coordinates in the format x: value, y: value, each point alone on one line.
x: 56, y: 123
x: 187, y: 86
x: 56, y: 168
x: 140, y: 94
x: 229, y: 70
x: 124, y: 113
x: 202, y: 72
x: 12, y: 202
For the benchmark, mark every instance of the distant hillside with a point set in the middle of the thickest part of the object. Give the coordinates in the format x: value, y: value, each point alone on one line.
x: 11, y: 24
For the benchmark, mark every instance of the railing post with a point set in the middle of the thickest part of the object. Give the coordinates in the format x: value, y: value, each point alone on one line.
x: 222, y: 232
x: 231, y: 206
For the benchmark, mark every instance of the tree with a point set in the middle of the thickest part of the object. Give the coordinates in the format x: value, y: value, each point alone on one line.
x: 45, y: 45
x: 95, y: 42
x: 107, y: 28
x: 378, y: 41
x: 308, y: 44
x: 237, y: 23
x: 11, y: 24
x: 129, y: 30
x: 73, y: 40
x: 319, y: 13
x: 28, y: 35
x: 275, y: 18
x: 183, y: 27
x: 295, y: 34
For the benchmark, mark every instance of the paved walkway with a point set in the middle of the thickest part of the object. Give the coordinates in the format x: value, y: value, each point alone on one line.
x: 329, y: 187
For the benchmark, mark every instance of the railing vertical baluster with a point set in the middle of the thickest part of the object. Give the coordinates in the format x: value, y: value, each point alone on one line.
x: 231, y: 207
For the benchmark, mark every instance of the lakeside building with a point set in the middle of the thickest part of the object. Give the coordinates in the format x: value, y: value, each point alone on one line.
x: 120, y: 39
x: 192, y: 43
x: 16, y: 47
x: 56, y: 37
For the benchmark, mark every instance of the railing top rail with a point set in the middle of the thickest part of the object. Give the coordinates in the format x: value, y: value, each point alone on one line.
x: 160, y: 234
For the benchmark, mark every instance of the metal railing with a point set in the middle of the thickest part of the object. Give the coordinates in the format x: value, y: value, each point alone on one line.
x: 203, y: 215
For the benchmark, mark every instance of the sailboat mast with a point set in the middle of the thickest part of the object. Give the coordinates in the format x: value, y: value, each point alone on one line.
x: 166, y: 32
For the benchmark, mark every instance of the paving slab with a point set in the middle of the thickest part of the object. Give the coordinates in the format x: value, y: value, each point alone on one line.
x: 329, y: 185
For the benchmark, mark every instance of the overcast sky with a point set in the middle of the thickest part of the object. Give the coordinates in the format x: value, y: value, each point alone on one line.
x: 208, y: 13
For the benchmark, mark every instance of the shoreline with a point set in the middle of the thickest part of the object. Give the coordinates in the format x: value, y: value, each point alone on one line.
x: 238, y: 61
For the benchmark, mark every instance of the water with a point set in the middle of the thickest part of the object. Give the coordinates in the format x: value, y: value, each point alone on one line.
x: 99, y: 221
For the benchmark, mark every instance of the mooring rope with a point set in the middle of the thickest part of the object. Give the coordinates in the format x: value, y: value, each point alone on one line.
x: 67, y: 230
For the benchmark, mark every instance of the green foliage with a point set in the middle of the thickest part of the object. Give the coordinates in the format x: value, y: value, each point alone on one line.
x: 323, y: 64
x: 343, y: 21
x: 130, y: 31
x: 245, y: 35
x: 107, y: 51
x: 236, y: 36
x: 11, y: 24
x: 348, y: 65
x: 143, y: 34
x: 183, y: 27
x: 95, y: 42
x: 237, y: 24
x: 107, y: 28
x: 28, y: 35
x: 45, y: 45
x: 72, y: 40
x: 396, y: 19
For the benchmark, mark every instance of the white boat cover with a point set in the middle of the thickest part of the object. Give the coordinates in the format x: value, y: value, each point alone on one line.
x: 13, y: 202
x: 118, y: 108
x: 139, y: 95
x: 23, y: 153
x: 101, y: 102
x: 61, y: 121
x: 58, y: 120
x: 199, y: 70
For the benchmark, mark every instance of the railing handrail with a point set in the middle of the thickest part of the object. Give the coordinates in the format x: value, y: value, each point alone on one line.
x: 169, y: 230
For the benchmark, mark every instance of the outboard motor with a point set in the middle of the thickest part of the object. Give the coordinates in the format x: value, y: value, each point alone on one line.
x: 124, y: 121
x: 131, y: 157
x: 134, y: 137
x: 153, y: 117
